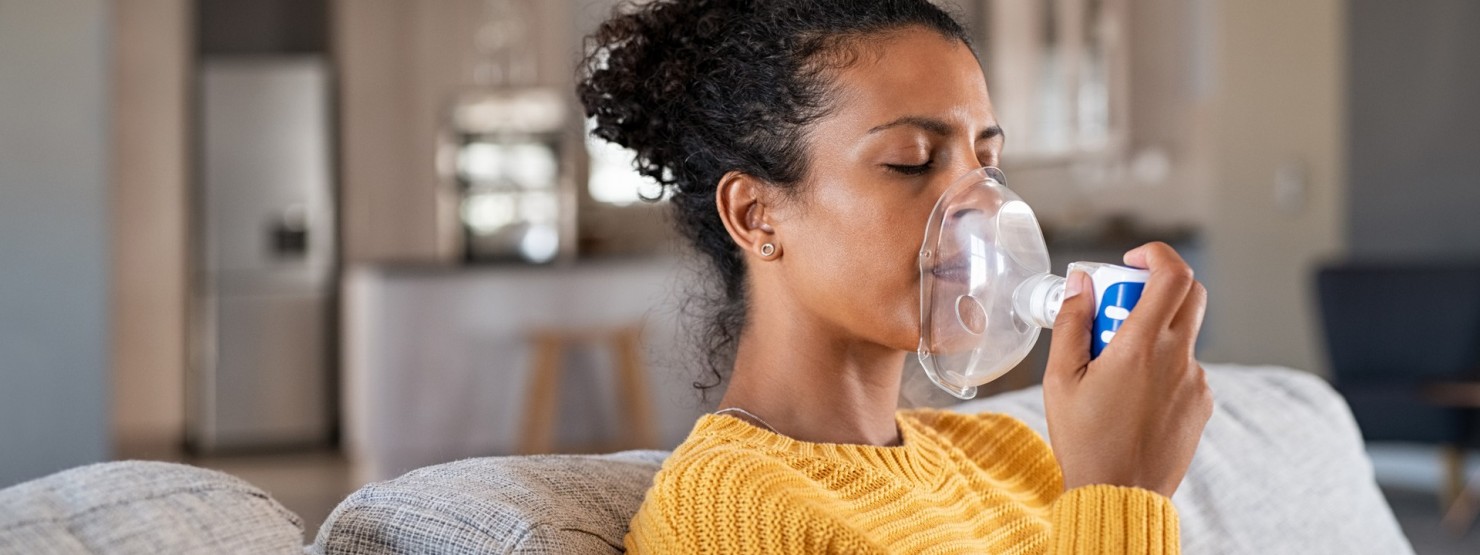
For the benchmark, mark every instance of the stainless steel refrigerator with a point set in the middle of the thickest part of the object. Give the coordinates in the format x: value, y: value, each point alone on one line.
x: 265, y: 266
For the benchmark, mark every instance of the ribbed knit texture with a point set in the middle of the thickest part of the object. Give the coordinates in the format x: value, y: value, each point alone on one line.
x: 959, y: 483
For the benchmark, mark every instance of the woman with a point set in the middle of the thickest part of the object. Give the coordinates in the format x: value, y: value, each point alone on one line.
x: 805, y: 143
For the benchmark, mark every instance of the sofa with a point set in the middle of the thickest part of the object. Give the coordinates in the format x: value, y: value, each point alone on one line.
x: 1281, y: 469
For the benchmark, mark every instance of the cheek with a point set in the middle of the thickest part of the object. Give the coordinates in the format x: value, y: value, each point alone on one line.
x: 860, y: 258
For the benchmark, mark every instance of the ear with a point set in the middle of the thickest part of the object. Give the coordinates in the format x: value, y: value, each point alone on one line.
x: 742, y: 202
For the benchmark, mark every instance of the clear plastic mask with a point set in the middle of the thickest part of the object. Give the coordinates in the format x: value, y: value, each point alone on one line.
x: 985, y: 287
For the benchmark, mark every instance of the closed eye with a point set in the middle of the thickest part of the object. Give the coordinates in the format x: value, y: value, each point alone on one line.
x: 910, y: 169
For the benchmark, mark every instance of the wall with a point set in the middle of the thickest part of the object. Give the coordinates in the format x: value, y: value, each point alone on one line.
x: 53, y: 235
x: 1414, y: 106
x: 1279, y: 88
x: 151, y: 44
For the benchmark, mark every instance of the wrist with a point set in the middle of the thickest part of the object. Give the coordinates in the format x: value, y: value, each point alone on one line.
x: 1111, y: 479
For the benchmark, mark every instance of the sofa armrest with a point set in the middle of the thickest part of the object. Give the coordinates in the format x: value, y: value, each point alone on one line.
x: 144, y: 507
x: 542, y: 504
x: 1281, y: 468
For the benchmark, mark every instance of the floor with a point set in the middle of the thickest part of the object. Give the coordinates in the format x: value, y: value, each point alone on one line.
x: 312, y: 484
x: 1418, y: 514
x: 1410, y: 477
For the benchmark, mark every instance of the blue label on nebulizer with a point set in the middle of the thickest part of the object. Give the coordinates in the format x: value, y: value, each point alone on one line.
x: 1115, y: 306
x: 1116, y: 288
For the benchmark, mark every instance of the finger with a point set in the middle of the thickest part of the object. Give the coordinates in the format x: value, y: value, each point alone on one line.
x: 1069, y: 351
x: 1171, y: 279
x: 1188, y: 321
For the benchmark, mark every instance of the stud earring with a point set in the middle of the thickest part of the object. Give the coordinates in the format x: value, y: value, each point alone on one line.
x: 768, y: 249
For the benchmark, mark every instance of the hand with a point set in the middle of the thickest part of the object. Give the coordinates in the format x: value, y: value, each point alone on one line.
x: 1133, y: 416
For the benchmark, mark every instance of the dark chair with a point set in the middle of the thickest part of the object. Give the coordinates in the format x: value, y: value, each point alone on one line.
x: 1393, y: 330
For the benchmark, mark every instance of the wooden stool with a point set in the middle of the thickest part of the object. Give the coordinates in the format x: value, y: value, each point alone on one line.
x: 1458, y: 499
x: 549, y: 347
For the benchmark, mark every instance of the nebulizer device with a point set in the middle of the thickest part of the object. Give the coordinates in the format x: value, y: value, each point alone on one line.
x: 986, y: 289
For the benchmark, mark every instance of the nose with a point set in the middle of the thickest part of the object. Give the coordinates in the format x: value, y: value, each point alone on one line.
x: 964, y: 212
x: 970, y: 195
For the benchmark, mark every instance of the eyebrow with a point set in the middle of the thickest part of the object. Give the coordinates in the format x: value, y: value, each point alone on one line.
x: 936, y: 127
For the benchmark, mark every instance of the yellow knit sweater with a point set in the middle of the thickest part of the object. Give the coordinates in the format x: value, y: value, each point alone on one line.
x: 960, y: 483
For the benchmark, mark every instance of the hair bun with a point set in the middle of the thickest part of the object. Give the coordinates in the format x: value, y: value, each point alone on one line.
x: 638, y: 75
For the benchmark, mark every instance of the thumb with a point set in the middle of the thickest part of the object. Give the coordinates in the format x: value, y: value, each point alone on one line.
x: 1069, y: 350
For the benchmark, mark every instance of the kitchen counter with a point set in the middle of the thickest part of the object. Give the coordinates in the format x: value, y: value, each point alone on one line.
x: 437, y: 359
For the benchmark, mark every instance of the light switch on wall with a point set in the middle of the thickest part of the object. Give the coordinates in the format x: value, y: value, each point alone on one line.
x: 1291, y: 184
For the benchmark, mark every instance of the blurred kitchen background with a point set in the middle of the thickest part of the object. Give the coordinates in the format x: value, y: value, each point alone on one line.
x: 321, y: 242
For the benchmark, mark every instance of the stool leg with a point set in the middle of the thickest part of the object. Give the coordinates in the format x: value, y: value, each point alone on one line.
x: 1460, y: 510
x: 633, y: 390
x: 1453, y: 460
x: 540, y: 405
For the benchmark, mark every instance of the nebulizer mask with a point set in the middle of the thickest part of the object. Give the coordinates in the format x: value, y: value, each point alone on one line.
x: 986, y: 290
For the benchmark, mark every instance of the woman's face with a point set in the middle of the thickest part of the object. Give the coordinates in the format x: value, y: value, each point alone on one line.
x: 912, y: 114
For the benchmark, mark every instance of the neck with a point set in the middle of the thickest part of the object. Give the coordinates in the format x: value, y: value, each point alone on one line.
x: 813, y: 385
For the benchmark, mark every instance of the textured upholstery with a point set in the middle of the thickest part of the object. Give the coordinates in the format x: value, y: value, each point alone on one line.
x: 1281, y: 469
x: 538, y: 504
x: 144, y: 507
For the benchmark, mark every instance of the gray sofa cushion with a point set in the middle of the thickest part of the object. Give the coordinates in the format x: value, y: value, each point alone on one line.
x: 538, y: 504
x: 1281, y: 469
x: 144, y: 507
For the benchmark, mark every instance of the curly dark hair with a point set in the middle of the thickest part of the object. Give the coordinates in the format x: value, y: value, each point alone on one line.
x: 699, y: 88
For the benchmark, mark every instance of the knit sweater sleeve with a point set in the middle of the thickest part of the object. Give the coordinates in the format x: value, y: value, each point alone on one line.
x: 1104, y: 519
x: 1092, y: 520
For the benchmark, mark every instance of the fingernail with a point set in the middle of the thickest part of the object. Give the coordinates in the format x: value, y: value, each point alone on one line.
x: 1075, y: 285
